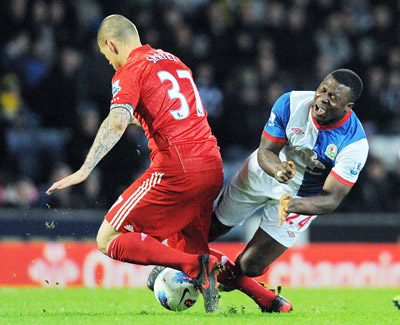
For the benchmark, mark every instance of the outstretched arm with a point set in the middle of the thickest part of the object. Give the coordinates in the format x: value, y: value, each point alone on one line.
x: 109, y: 133
x: 331, y: 196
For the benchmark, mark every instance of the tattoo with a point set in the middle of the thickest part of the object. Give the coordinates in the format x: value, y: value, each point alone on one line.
x: 109, y: 133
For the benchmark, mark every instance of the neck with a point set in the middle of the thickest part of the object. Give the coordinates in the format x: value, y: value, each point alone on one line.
x: 126, y: 49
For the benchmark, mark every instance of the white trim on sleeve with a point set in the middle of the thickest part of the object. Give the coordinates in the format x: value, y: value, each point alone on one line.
x: 128, y: 107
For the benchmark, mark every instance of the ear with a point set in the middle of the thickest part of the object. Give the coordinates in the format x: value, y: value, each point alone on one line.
x: 349, y: 106
x: 111, y: 45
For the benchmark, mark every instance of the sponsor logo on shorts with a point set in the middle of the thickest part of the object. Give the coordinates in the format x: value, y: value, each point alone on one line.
x: 291, y: 234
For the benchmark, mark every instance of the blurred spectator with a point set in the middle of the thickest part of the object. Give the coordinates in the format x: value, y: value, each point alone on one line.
x: 90, y: 194
x: 13, y: 18
x: 332, y: 41
x: 379, y: 187
x: 14, y: 111
x: 80, y: 142
x: 15, y: 49
x: 65, y: 23
x: 390, y: 99
x: 60, y: 91
x: 210, y: 94
x: 22, y: 193
x: 55, y: 84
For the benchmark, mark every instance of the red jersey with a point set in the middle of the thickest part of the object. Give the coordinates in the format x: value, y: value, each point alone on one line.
x: 159, y: 91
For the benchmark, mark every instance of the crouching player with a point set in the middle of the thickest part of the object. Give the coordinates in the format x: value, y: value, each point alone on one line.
x: 312, y: 150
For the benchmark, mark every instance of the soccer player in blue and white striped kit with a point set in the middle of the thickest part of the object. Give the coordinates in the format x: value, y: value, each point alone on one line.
x: 312, y: 150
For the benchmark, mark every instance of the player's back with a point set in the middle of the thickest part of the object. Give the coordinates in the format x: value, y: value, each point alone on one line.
x: 167, y: 104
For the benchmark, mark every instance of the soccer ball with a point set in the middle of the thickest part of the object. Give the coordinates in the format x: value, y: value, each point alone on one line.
x: 174, y: 290
x: 396, y: 301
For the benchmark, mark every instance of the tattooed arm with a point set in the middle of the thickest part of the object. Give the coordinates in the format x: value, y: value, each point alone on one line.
x: 109, y: 133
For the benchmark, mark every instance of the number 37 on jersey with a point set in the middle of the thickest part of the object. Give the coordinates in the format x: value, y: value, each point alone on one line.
x: 175, y: 93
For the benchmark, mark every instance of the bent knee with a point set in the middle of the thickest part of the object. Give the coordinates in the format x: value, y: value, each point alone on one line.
x: 102, y: 244
x: 104, y: 241
x: 250, y: 268
x: 105, y: 236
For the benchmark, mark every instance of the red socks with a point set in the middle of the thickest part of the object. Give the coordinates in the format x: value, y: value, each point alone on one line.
x: 231, y: 276
x: 138, y: 248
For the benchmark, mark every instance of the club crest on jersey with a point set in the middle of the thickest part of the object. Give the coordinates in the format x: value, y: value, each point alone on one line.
x: 356, y: 169
x: 331, y: 151
x: 115, y: 88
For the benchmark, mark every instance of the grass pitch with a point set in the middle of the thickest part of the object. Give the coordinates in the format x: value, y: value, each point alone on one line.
x: 138, y: 306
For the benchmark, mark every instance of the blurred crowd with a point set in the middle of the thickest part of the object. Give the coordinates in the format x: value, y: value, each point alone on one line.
x: 55, y: 86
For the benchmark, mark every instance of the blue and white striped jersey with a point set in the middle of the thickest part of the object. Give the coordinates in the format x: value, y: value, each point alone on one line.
x: 340, y: 149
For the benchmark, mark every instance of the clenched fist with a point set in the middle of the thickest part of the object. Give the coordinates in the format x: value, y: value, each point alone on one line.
x: 286, y: 172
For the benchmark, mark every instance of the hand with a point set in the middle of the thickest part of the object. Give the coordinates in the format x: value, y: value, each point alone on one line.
x: 72, y: 179
x: 286, y: 172
x: 283, y: 208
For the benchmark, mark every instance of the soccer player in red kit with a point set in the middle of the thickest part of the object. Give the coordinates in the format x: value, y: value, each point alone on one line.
x: 174, y: 197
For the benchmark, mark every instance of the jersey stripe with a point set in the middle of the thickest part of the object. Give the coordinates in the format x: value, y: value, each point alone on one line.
x: 155, y: 180
x: 134, y: 199
x: 118, y: 215
x: 341, y: 179
x: 272, y: 138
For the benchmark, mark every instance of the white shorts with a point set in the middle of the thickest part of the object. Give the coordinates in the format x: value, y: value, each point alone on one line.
x: 250, y: 189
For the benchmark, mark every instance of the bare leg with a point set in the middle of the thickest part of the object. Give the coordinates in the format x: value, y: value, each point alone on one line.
x: 105, y: 236
x: 260, y: 252
x: 217, y: 229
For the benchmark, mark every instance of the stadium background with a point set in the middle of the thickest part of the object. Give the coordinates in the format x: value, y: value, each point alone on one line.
x: 55, y: 91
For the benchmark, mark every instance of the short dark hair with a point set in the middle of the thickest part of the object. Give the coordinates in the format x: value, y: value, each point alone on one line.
x: 349, y: 79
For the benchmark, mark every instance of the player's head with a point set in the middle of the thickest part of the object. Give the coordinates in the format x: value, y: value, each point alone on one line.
x: 117, y: 37
x: 335, y: 96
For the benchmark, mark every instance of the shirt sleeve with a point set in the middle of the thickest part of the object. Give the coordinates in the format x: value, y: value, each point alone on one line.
x: 275, y: 129
x: 125, y: 91
x: 350, y: 162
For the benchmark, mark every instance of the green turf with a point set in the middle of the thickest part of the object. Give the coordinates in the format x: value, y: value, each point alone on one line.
x: 138, y: 306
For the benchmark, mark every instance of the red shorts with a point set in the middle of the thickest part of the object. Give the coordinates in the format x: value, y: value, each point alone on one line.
x: 177, y: 207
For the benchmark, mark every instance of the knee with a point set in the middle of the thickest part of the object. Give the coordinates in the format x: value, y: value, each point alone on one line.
x: 105, y: 236
x: 102, y: 243
x: 249, y: 266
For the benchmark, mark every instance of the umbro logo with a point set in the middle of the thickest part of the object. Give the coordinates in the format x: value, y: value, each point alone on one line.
x: 297, y: 130
x: 291, y: 234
